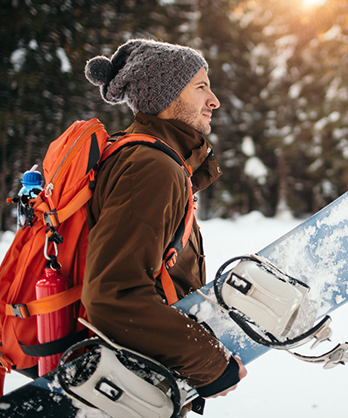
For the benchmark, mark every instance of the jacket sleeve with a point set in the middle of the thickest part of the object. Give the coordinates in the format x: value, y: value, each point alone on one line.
x: 136, y: 216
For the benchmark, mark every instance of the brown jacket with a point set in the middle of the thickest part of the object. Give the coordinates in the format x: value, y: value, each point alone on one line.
x: 136, y: 208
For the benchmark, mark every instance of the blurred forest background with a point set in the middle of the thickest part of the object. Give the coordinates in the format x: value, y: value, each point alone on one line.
x: 279, y: 68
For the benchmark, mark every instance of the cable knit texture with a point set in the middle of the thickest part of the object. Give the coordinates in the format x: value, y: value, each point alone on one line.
x: 147, y: 75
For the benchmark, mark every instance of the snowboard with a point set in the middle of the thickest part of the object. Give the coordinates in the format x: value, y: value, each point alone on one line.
x: 314, y: 252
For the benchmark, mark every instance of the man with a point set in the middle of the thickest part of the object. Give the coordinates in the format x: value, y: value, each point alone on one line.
x: 138, y: 204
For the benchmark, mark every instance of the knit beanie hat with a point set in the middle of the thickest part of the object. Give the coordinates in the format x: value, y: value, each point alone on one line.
x: 147, y: 75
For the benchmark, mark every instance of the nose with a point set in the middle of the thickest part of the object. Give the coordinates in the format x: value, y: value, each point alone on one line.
x: 213, y: 101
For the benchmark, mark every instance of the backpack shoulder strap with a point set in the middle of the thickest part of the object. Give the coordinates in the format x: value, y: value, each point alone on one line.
x: 182, y: 234
x: 144, y: 139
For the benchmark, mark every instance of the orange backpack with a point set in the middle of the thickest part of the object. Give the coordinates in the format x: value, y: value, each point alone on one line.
x: 59, y: 230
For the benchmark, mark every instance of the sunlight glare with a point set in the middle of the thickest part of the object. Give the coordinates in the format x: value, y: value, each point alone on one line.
x: 313, y: 3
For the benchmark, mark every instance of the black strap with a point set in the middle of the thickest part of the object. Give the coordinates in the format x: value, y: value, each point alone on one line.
x: 274, y: 342
x: 31, y: 372
x: 54, y: 347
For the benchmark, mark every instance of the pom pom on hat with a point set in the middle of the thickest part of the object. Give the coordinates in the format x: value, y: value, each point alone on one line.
x: 98, y: 70
x: 146, y: 74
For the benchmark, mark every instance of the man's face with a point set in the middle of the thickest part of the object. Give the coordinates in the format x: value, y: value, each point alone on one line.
x: 195, y: 104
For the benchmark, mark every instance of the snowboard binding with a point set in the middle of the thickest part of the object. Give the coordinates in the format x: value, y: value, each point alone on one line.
x: 259, y: 290
x: 119, y: 381
x: 265, y: 302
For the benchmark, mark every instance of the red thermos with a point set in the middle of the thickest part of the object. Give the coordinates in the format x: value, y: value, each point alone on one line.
x: 54, y: 325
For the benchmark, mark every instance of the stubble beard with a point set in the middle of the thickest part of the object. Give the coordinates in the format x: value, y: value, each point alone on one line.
x: 189, y: 115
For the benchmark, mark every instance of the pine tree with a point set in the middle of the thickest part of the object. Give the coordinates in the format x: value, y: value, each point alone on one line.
x: 304, y: 105
x: 42, y: 84
x: 279, y: 71
x: 238, y: 85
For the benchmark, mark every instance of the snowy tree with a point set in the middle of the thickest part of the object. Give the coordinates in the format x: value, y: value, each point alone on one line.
x: 45, y: 46
x: 287, y: 93
x: 279, y: 69
x: 305, y: 109
x: 238, y: 84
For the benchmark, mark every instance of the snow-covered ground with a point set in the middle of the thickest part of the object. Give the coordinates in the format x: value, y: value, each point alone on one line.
x: 277, y: 385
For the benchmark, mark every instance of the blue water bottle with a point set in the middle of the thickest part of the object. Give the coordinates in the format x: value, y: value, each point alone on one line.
x: 32, y: 186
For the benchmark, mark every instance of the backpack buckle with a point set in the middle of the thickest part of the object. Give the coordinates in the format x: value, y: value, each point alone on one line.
x: 20, y: 310
x: 51, y: 218
x: 171, y: 258
x: 53, y: 236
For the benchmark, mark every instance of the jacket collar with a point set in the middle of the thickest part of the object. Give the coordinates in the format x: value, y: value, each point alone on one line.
x: 192, y: 146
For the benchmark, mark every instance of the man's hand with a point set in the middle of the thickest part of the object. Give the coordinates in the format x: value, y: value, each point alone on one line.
x: 242, y: 373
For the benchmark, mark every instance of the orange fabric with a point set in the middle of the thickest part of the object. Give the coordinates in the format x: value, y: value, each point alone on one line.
x: 68, y: 170
x: 188, y: 220
x: 168, y: 285
x: 54, y: 167
x: 76, y: 203
x: 2, y: 380
x: 50, y: 303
